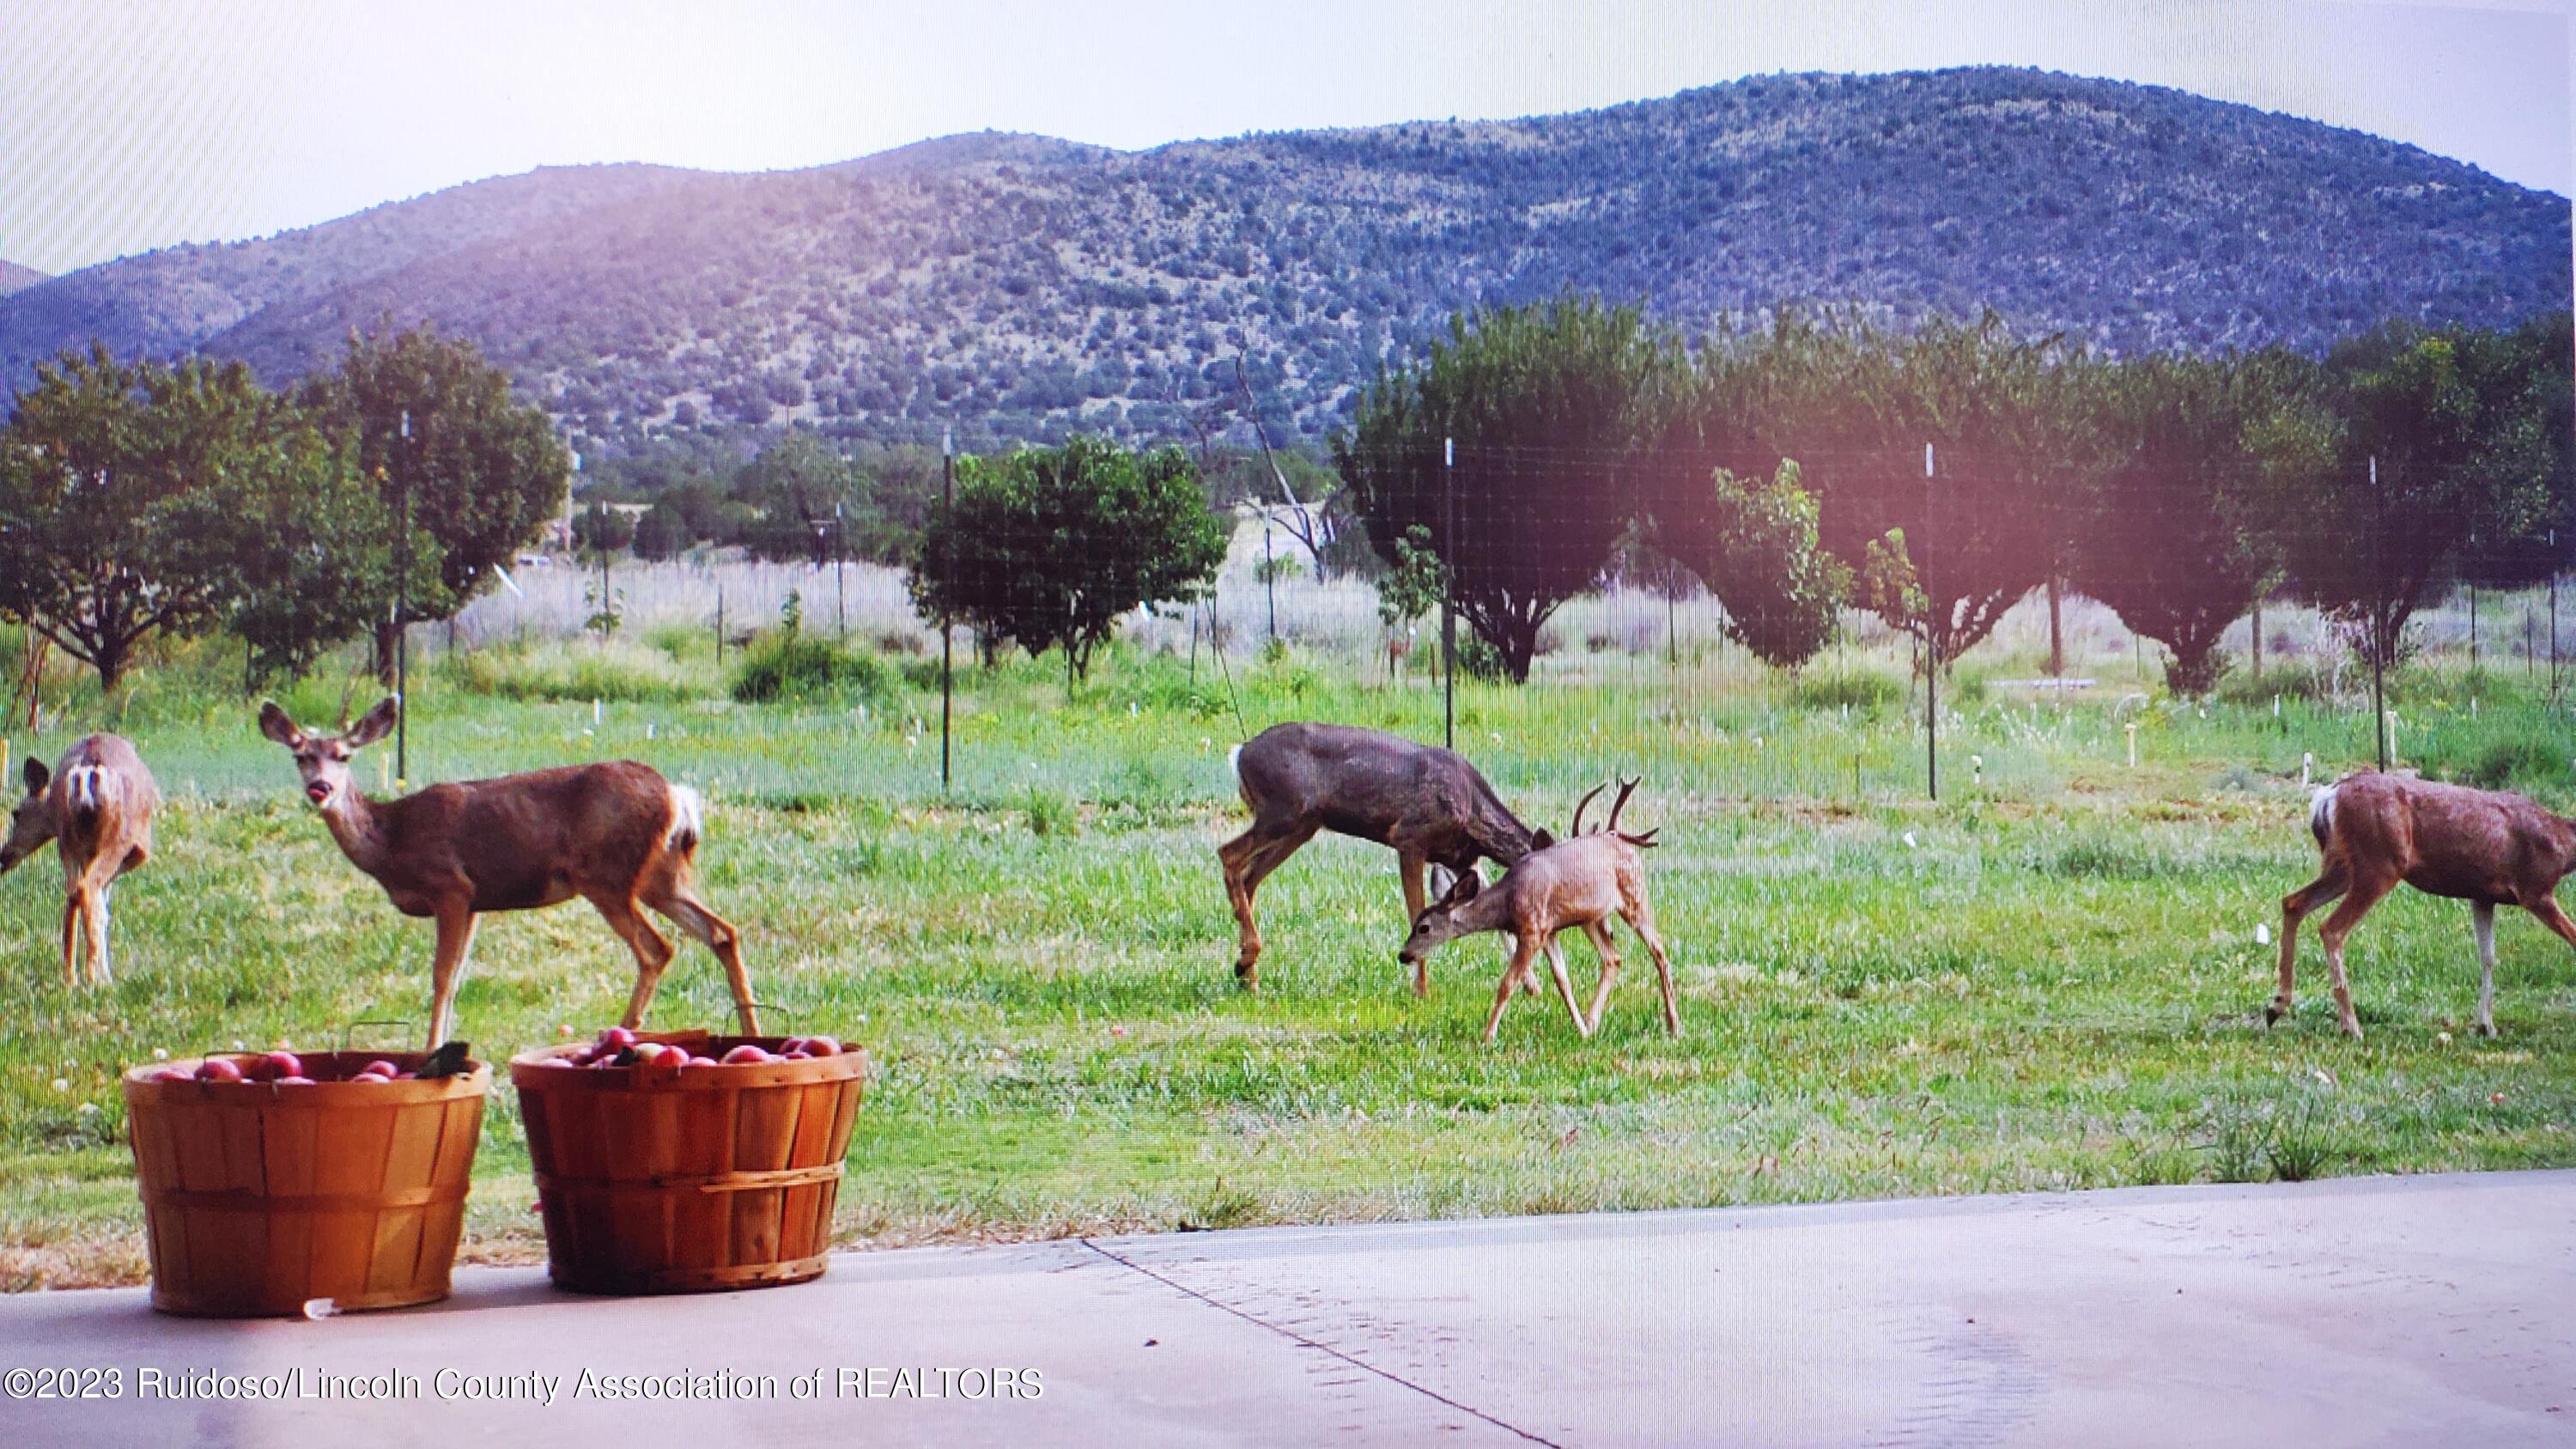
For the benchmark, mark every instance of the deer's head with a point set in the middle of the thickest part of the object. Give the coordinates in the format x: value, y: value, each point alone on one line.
x: 32, y: 823
x: 1438, y: 924
x: 323, y: 760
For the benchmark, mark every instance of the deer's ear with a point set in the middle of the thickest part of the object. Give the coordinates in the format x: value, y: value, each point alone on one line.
x: 1541, y: 840
x: 274, y: 723
x: 1465, y: 887
x: 36, y: 776
x: 378, y: 724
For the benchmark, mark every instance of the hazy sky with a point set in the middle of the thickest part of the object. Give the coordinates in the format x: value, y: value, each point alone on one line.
x: 132, y: 124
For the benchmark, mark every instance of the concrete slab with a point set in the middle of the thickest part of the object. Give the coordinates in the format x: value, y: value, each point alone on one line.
x: 2359, y: 1311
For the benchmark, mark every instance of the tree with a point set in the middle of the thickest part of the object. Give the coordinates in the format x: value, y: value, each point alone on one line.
x: 1554, y: 410
x: 312, y: 548
x: 2463, y: 426
x: 1047, y: 547
x: 479, y: 474
x: 663, y: 532
x: 2011, y: 429
x: 2183, y: 537
x: 600, y: 528
x: 793, y: 486
x: 119, y: 500
x: 1756, y: 549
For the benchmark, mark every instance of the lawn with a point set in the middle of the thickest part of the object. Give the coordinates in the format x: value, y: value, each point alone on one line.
x: 2051, y: 979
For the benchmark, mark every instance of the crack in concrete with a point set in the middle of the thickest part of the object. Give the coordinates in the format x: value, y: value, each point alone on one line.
x: 1302, y: 1341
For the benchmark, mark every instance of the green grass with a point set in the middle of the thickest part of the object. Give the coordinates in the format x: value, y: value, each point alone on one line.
x: 2054, y: 984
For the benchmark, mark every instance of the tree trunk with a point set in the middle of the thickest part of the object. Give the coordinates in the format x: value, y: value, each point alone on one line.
x: 110, y: 657
x: 2056, y: 631
x: 387, y: 639
x: 2256, y: 638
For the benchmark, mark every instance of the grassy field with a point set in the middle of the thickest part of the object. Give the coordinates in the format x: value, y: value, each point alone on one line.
x: 2050, y: 979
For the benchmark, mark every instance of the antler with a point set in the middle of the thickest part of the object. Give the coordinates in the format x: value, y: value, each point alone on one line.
x: 1626, y: 789
x: 1642, y: 842
x: 1579, y: 806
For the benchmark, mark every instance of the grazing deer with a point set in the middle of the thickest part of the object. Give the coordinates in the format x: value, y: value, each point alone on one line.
x: 1428, y: 803
x: 96, y: 806
x: 616, y: 834
x: 1581, y: 881
x: 2485, y: 847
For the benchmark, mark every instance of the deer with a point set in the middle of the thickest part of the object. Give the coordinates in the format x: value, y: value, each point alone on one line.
x: 1579, y: 882
x: 96, y: 806
x: 2374, y: 830
x: 617, y: 834
x: 1427, y: 803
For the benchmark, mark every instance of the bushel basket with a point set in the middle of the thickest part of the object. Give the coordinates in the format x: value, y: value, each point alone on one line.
x: 702, y: 1179
x: 260, y: 1197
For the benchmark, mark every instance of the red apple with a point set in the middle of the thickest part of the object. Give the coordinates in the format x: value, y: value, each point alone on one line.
x: 298, y: 1080
x: 382, y: 1068
x: 219, y: 1069
x: 169, y: 1074
x: 823, y: 1046
x: 792, y: 1044
x: 702, y: 1061
x: 370, y: 1077
x: 616, y: 1036
x: 745, y: 1055
x: 796, y: 1056
x: 282, y: 1064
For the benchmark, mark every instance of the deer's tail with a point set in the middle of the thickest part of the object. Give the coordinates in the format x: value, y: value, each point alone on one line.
x: 2321, y: 814
x: 688, y: 820
x: 1234, y: 767
x: 87, y: 789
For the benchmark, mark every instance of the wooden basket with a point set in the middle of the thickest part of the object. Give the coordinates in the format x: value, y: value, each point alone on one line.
x: 259, y: 1198
x: 705, y: 1179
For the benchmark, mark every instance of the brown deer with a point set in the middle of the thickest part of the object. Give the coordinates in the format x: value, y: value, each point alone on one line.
x: 1426, y: 802
x: 96, y: 806
x: 1581, y: 882
x: 616, y: 834
x: 2485, y: 847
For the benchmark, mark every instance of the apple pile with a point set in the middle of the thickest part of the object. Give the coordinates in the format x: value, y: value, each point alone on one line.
x: 616, y: 1046
x: 282, y: 1068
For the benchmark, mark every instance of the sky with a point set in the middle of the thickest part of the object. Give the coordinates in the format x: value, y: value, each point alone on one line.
x: 128, y: 125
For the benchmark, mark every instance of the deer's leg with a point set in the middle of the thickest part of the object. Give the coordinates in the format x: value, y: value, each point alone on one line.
x: 652, y: 954
x: 2366, y: 892
x: 455, y: 939
x: 2554, y: 918
x: 1608, y: 950
x: 72, y: 919
x: 1523, y: 949
x: 1641, y: 919
x: 1248, y: 859
x: 690, y: 914
x: 2482, y: 927
x: 101, y: 917
x: 2294, y: 908
x: 1565, y: 987
x: 1408, y: 869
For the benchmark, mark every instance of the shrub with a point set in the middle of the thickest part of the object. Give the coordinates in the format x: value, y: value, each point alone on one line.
x: 1862, y: 689
x: 576, y: 671
x: 2521, y: 763
x: 794, y: 666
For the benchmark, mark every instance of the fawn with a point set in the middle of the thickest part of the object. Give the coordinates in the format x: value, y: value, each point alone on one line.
x: 96, y: 806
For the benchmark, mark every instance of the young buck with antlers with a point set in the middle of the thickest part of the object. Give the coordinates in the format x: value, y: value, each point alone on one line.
x: 96, y: 806
x: 2485, y: 847
x: 1428, y: 803
x: 615, y: 834
x: 1580, y: 882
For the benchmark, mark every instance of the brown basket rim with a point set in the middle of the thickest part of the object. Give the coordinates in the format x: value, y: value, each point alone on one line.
x: 527, y: 1073
x: 476, y: 1081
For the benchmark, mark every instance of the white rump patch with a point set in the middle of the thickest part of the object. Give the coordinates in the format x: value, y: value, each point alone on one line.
x: 688, y: 818
x: 1234, y: 763
x: 87, y: 786
x: 2321, y: 810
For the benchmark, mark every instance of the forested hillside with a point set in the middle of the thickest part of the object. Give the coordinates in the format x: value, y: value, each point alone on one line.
x: 1019, y: 286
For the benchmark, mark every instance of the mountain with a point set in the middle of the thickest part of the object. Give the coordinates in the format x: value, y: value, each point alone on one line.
x: 1018, y: 285
x: 17, y: 278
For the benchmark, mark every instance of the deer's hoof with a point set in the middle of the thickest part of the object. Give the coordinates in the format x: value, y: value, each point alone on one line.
x: 1247, y: 976
x: 2352, y: 1029
x: 2486, y: 1028
x: 2274, y: 1012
